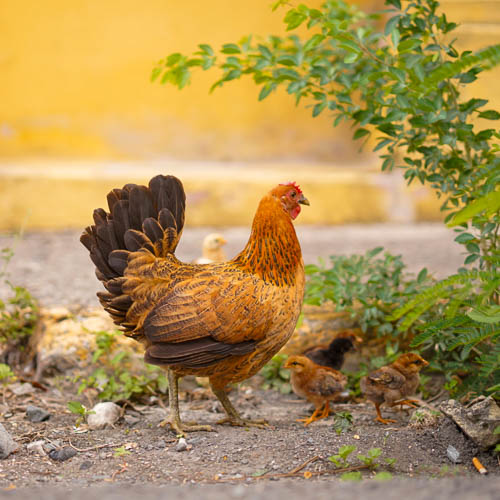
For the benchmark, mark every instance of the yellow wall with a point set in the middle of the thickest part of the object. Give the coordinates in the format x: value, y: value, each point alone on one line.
x: 75, y: 83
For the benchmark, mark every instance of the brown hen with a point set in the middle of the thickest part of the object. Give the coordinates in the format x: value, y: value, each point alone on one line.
x: 224, y: 320
x: 392, y: 384
x: 318, y: 384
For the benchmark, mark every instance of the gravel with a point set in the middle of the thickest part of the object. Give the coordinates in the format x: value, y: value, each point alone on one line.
x: 56, y: 268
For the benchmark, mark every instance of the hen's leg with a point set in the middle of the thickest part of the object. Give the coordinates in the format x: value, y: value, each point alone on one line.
x: 233, y: 417
x: 379, y: 417
x: 174, y: 420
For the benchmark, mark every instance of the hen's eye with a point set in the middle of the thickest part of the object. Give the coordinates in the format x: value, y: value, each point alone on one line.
x: 294, y: 194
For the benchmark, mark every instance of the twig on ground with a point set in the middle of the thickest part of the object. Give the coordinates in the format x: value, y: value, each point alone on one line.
x: 97, y: 447
x: 307, y: 462
x: 436, y: 396
x: 296, y: 472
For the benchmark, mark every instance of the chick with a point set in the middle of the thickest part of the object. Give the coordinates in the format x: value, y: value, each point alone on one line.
x: 318, y: 384
x: 212, y: 249
x: 392, y: 384
x: 332, y: 355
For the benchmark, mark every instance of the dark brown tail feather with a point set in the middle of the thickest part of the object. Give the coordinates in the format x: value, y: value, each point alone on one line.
x: 139, y: 217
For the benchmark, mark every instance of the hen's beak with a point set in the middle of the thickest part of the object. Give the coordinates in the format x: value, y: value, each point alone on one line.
x: 303, y: 200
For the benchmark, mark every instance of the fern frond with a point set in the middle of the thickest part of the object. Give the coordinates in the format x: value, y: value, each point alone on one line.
x: 442, y: 289
x: 487, y: 58
x: 490, y: 362
x: 436, y: 328
x: 472, y: 336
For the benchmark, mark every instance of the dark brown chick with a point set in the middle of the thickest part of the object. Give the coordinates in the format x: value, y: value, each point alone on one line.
x: 318, y: 384
x: 392, y: 384
x: 333, y: 355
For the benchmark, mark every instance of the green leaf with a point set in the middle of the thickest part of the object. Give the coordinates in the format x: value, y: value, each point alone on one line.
x: 318, y: 108
x: 206, y: 49
x: 76, y: 407
x: 155, y: 73
x: 383, y: 476
x: 352, y: 57
x: 489, y: 203
x: 422, y: 275
x: 266, y: 90
x: 391, y: 24
x: 265, y: 51
x: 489, y: 314
x: 288, y: 60
x: 173, y: 59
x: 464, y: 238
x: 490, y: 114
x: 398, y: 74
x: 230, y: 48
x: 407, y: 45
x: 294, y: 19
x: 361, y: 132
x: 351, y: 476
x: 313, y: 42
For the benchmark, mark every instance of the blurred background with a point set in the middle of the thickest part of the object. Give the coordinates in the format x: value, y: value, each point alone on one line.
x: 79, y: 116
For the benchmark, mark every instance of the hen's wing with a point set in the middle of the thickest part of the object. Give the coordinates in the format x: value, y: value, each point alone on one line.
x: 203, y: 313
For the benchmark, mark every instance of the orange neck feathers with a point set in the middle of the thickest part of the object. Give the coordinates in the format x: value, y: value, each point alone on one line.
x: 273, y: 250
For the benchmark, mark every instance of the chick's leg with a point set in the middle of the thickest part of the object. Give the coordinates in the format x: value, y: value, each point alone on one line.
x: 174, y: 420
x: 379, y: 417
x: 408, y: 402
x: 233, y: 418
x: 319, y: 413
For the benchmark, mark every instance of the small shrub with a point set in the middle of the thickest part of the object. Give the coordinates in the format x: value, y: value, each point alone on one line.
x: 113, y: 379
x: 370, y: 287
x: 18, y: 317
x: 275, y: 377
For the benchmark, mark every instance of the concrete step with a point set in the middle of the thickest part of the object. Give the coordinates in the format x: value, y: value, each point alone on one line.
x: 57, y: 195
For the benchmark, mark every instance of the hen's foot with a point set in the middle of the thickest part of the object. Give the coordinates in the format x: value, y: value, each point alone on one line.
x: 385, y: 420
x: 243, y: 422
x: 180, y: 428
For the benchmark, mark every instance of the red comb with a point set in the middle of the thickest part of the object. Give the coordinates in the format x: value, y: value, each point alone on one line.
x: 294, y: 184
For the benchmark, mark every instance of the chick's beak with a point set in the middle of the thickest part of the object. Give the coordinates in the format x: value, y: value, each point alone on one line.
x: 303, y: 200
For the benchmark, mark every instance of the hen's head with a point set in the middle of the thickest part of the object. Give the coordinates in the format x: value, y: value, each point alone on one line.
x: 410, y: 362
x: 291, y: 198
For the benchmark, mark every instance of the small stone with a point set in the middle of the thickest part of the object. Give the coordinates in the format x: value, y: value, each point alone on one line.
x: 453, y: 454
x: 35, y: 414
x: 104, y: 414
x: 181, y: 445
x: 22, y: 389
x: 161, y: 444
x: 7, y: 444
x: 130, y: 420
x: 86, y: 465
x: 37, y: 447
x: 62, y: 454
x: 478, y: 421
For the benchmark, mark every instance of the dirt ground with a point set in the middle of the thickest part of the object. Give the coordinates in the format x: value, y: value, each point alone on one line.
x: 137, y: 453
